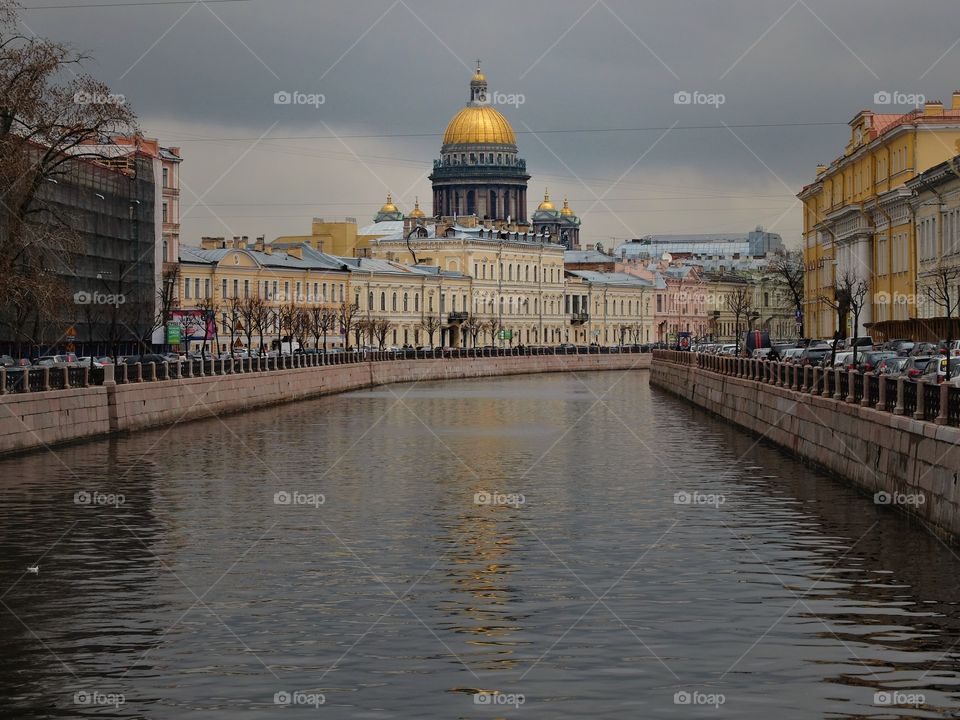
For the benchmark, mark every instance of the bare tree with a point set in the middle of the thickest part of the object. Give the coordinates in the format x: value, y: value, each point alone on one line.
x: 380, y: 328
x: 945, y: 294
x: 167, y: 299
x: 322, y: 321
x: 849, y: 296
x: 472, y: 327
x: 788, y: 267
x: 430, y: 325
x: 348, y: 315
x: 288, y: 317
x: 47, y: 115
x: 249, y: 309
x: 739, y: 302
x: 207, y: 309
x: 233, y: 313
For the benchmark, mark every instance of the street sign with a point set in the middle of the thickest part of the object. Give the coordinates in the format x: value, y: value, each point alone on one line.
x: 71, y: 332
x: 506, y: 334
x: 174, y: 336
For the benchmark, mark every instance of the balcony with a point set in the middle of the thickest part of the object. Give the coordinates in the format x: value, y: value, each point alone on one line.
x: 457, y: 317
x: 579, y: 318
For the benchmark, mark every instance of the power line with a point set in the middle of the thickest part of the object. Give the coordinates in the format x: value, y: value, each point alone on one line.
x: 745, y: 126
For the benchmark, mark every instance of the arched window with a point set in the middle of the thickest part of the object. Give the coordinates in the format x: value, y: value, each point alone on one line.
x: 383, y: 301
x: 509, y: 272
x: 406, y: 302
x: 526, y: 273
x: 394, y: 302
x: 416, y: 302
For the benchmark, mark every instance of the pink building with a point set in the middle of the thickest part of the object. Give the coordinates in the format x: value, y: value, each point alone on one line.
x: 680, y: 305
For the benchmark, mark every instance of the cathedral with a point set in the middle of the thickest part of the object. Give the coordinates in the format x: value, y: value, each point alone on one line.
x: 480, y: 179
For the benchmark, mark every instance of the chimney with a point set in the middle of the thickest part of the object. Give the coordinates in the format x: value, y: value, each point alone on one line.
x: 295, y: 252
x: 268, y: 249
x: 933, y: 108
x: 955, y: 100
x: 258, y: 245
x: 212, y: 243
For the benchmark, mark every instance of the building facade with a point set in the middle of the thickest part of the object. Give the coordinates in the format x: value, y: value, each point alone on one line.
x: 858, y: 219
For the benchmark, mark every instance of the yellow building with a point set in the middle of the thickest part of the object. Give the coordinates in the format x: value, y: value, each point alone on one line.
x: 857, y: 218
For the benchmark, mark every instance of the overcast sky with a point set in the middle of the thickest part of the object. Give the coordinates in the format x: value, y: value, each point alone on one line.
x: 597, y: 80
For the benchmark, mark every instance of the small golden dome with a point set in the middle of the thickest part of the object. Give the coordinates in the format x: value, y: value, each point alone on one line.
x: 417, y: 212
x: 546, y: 204
x: 478, y: 76
x: 479, y: 125
x: 566, y: 211
x: 389, y: 207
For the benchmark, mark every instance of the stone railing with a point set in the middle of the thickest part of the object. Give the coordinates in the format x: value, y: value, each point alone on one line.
x: 937, y: 403
x: 42, y: 379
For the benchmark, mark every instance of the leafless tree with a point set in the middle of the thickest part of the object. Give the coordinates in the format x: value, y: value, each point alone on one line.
x: 232, y: 311
x: 739, y: 302
x: 472, y: 327
x: 787, y: 266
x: 430, y: 325
x: 945, y: 294
x: 380, y: 329
x: 849, y: 296
x: 249, y: 310
x: 348, y: 316
x: 322, y: 321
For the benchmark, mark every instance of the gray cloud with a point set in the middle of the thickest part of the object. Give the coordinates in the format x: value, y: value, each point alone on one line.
x: 214, y: 74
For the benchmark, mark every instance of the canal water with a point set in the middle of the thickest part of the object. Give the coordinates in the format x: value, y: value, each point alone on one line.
x: 553, y: 546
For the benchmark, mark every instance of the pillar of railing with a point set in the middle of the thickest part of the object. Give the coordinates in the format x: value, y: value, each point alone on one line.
x: 921, y: 400
x: 868, y: 379
x: 944, y: 414
x: 815, y: 386
x: 882, y: 393
x: 66, y: 377
x: 899, y: 409
x: 827, y: 378
x: 851, y: 386
x: 836, y: 384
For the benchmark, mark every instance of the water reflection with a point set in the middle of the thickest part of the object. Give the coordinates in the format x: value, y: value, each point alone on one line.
x: 400, y: 595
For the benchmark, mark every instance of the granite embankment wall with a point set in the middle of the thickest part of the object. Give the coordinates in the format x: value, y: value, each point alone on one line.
x: 877, y: 451
x: 41, y: 419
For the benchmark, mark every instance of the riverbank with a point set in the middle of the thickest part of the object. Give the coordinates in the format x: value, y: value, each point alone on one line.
x: 900, y: 459
x: 43, y: 419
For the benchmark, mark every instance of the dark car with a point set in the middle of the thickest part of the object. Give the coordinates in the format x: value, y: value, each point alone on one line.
x: 813, y: 355
x: 868, y: 360
x: 925, y: 349
x: 915, y: 366
x: 892, y: 366
x: 144, y: 359
x: 896, y: 345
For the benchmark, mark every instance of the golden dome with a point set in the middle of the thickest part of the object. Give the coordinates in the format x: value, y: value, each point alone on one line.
x: 389, y: 207
x: 417, y: 212
x: 566, y: 211
x: 479, y: 125
x: 546, y: 204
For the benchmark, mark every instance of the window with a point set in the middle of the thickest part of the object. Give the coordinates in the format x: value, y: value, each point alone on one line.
x: 206, y: 287
x: 166, y: 217
x: 286, y: 290
x: 383, y: 302
x: 246, y: 288
x: 394, y: 302
x: 406, y: 304
x: 416, y: 302
x: 431, y: 304
x: 324, y: 292
x: 369, y: 300
x: 236, y: 288
x: 223, y: 288
x: 186, y: 288
x: 274, y: 293
x: 166, y: 173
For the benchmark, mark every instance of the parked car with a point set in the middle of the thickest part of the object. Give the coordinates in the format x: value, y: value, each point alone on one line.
x: 760, y: 353
x: 936, y: 371
x: 860, y: 342
x: 892, y: 366
x: 915, y: 366
x: 868, y: 361
x: 896, y: 345
x: 925, y: 349
x: 841, y: 360
x: 727, y: 350
x: 7, y: 361
x: 814, y: 355
x: 88, y: 361
x: 144, y: 359
x: 68, y: 360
